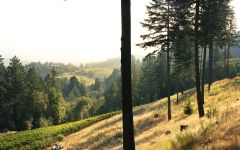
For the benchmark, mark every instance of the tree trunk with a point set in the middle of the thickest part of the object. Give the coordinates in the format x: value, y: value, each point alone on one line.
x: 197, y: 76
x: 227, y: 64
x: 201, y: 60
x: 177, y: 102
x: 210, y: 64
x: 127, y: 112
x: 168, y: 68
x: 203, y: 71
x: 225, y: 60
x: 177, y: 98
x: 168, y: 84
x: 205, y: 53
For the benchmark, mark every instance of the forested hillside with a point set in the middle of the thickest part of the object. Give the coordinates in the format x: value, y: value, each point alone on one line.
x: 30, y: 101
x: 192, y: 45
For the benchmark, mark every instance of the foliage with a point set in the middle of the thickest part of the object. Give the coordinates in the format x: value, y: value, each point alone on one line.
x: 188, y: 108
x: 212, y: 112
x: 42, y: 137
x: 183, y: 141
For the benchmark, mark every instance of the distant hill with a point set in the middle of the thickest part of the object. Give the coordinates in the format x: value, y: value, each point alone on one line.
x: 112, y: 63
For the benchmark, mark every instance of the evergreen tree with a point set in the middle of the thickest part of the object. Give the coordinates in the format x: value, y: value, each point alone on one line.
x: 34, y: 86
x: 3, y: 92
x: 56, y: 104
x: 161, y: 25
x: 136, y: 74
x: 196, y: 60
x: 16, y: 88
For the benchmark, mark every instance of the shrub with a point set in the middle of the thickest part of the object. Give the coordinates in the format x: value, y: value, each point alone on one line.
x: 60, y: 137
x: 184, y: 141
x: 212, y: 112
x: 188, y: 108
x: 43, y: 122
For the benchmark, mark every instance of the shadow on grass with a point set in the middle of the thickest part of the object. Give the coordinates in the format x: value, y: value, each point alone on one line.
x: 109, y: 123
x: 101, y: 140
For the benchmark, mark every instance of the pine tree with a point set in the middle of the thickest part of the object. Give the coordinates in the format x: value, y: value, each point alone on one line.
x: 160, y: 25
x: 3, y: 92
x: 136, y: 74
x: 196, y: 60
x: 217, y: 13
x: 35, y: 86
x: 56, y: 104
x: 16, y: 88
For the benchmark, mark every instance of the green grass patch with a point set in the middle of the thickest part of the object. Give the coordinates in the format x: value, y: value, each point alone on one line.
x: 43, y: 137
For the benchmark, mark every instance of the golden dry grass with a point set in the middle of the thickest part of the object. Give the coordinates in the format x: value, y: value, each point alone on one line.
x: 150, y: 132
x: 88, y: 81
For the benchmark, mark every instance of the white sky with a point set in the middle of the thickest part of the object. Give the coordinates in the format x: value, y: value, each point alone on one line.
x: 72, y: 31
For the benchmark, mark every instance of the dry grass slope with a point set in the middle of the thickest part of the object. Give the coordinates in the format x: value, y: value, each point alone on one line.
x: 219, y: 132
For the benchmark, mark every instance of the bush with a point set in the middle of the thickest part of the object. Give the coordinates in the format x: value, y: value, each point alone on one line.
x: 42, y: 122
x: 188, y: 108
x: 212, y: 112
x: 60, y: 137
x: 184, y: 141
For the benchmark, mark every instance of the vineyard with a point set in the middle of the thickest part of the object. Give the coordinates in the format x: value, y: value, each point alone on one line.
x: 43, y: 137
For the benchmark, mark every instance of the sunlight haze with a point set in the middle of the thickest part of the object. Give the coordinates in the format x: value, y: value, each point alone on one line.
x: 72, y: 31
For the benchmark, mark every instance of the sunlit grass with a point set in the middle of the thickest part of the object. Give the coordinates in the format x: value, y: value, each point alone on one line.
x: 150, y: 131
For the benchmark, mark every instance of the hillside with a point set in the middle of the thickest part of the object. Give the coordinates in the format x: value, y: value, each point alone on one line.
x: 219, y: 131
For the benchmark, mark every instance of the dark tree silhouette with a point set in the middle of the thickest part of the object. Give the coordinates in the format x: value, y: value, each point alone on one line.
x: 128, y: 132
x: 197, y: 74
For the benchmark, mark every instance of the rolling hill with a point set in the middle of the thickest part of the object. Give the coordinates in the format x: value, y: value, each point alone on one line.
x: 220, y: 130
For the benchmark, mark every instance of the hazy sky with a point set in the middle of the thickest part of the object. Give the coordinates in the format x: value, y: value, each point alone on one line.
x: 68, y: 31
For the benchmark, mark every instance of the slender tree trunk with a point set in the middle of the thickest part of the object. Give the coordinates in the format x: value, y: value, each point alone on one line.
x: 177, y: 98
x: 201, y: 60
x: 168, y: 68
x: 225, y: 60
x: 168, y: 84
x: 14, y: 112
x: 203, y: 71
x: 128, y: 127
x: 210, y: 64
x: 227, y: 65
x: 205, y: 54
x: 177, y: 91
x: 197, y: 76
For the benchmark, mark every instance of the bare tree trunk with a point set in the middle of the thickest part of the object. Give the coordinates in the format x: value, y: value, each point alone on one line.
x: 197, y: 75
x: 210, y: 64
x: 203, y: 71
x: 168, y: 68
x: 128, y: 127
x: 201, y: 62
x: 204, y: 54
x: 177, y: 91
x: 225, y: 60
x: 177, y: 98
x: 227, y: 64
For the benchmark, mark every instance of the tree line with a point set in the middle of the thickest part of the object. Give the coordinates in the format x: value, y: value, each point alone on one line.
x: 28, y: 100
x: 179, y: 29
